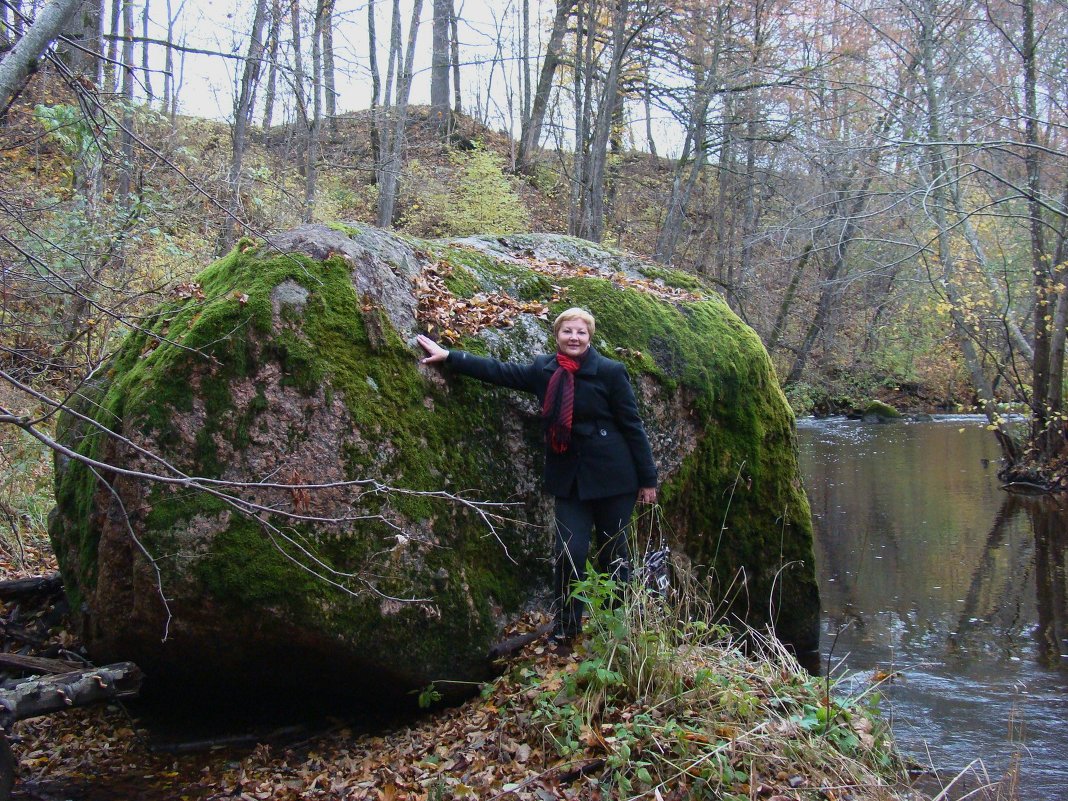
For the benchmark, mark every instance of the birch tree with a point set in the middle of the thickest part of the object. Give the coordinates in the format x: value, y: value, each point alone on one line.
x: 19, y: 61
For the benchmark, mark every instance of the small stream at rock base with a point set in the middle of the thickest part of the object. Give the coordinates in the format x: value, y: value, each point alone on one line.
x: 928, y: 568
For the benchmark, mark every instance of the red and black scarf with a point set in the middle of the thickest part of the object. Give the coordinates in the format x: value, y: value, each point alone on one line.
x: 559, y: 405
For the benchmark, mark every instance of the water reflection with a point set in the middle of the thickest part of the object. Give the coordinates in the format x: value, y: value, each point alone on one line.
x: 928, y: 568
x: 1051, y: 545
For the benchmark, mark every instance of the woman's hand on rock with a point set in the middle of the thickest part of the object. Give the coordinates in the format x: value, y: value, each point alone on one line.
x: 647, y: 495
x: 435, y: 353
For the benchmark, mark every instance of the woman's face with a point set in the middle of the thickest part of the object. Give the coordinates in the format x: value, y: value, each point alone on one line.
x: 573, y: 338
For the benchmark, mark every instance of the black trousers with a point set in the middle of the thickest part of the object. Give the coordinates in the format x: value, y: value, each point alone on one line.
x: 580, y: 524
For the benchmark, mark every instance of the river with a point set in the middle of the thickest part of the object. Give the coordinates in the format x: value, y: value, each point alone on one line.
x: 928, y: 570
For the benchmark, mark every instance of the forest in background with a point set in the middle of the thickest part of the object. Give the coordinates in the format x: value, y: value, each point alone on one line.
x: 878, y: 189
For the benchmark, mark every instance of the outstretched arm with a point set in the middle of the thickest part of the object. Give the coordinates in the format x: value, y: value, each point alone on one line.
x: 504, y: 374
x: 435, y: 353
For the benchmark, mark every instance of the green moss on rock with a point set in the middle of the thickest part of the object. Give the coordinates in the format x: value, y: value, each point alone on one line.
x: 877, y: 410
x: 291, y: 368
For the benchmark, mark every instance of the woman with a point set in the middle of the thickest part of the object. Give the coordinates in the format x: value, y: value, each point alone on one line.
x: 598, y: 462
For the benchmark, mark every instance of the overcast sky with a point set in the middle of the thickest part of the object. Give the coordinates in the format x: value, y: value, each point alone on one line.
x: 208, y: 82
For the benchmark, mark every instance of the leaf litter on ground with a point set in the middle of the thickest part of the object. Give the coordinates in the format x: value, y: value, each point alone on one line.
x: 526, y: 736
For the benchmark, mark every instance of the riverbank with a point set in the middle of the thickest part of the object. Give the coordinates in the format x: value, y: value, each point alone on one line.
x: 848, y: 395
x: 665, y: 709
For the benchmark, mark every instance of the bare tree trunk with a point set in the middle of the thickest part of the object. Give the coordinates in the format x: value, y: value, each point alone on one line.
x: 126, y: 173
x: 439, y: 66
x: 111, y: 77
x: 724, y: 174
x: 647, y: 103
x: 178, y: 83
x: 274, y: 37
x: 382, y: 123
x: 311, y: 150
x: 612, y: 168
x: 1059, y: 326
x: 98, y: 44
x: 848, y: 208
x: 242, y: 119
x: 41, y: 695
x: 394, y: 61
x: 848, y: 211
x: 1041, y: 269
x: 831, y: 288
x: 146, y: 69
x: 787, y: 302
x: 18, y: 62
x: 168, y: 59
x: 750, y: 218
x: 524, y: 60
x: 694, y: 143
x: 584, y: 69
x: 593, y: 218
x: 393, y: 157
x: 497, y: 61
x: 329, y: 79
x: 298, y: 65
x: 376, y: 87
x: 454, y: 57
x: 530, y: 135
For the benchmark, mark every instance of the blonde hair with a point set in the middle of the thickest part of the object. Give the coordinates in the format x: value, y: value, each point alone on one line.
x: 574, y: 313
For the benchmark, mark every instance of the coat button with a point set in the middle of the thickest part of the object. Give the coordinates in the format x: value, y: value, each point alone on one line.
x: 604, y: 433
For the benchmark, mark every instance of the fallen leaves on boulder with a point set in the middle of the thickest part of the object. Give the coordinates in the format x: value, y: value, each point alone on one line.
x: 450, y: 318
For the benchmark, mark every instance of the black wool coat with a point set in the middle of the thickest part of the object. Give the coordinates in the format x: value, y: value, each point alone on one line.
x: 609, y: 452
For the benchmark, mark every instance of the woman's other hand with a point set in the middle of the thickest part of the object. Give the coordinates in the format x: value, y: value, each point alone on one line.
x: 435, y: 353
x: 647, y: 495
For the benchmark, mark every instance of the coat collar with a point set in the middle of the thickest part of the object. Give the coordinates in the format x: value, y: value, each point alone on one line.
x: 589, y: 364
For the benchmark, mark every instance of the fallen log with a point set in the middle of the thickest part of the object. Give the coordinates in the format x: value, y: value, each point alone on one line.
x: 45, y: 694
x: 512, y: 645
x: 39, y: 585
x: 36, y: 664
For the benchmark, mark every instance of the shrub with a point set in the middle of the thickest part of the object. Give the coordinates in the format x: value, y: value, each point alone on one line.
x: 475, y: 197
x: 670, y: 698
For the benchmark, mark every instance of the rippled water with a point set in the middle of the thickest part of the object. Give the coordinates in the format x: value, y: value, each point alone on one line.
x: 928, y: 568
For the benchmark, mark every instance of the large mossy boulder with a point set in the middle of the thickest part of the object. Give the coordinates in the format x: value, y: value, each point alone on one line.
x: 315, y: 525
